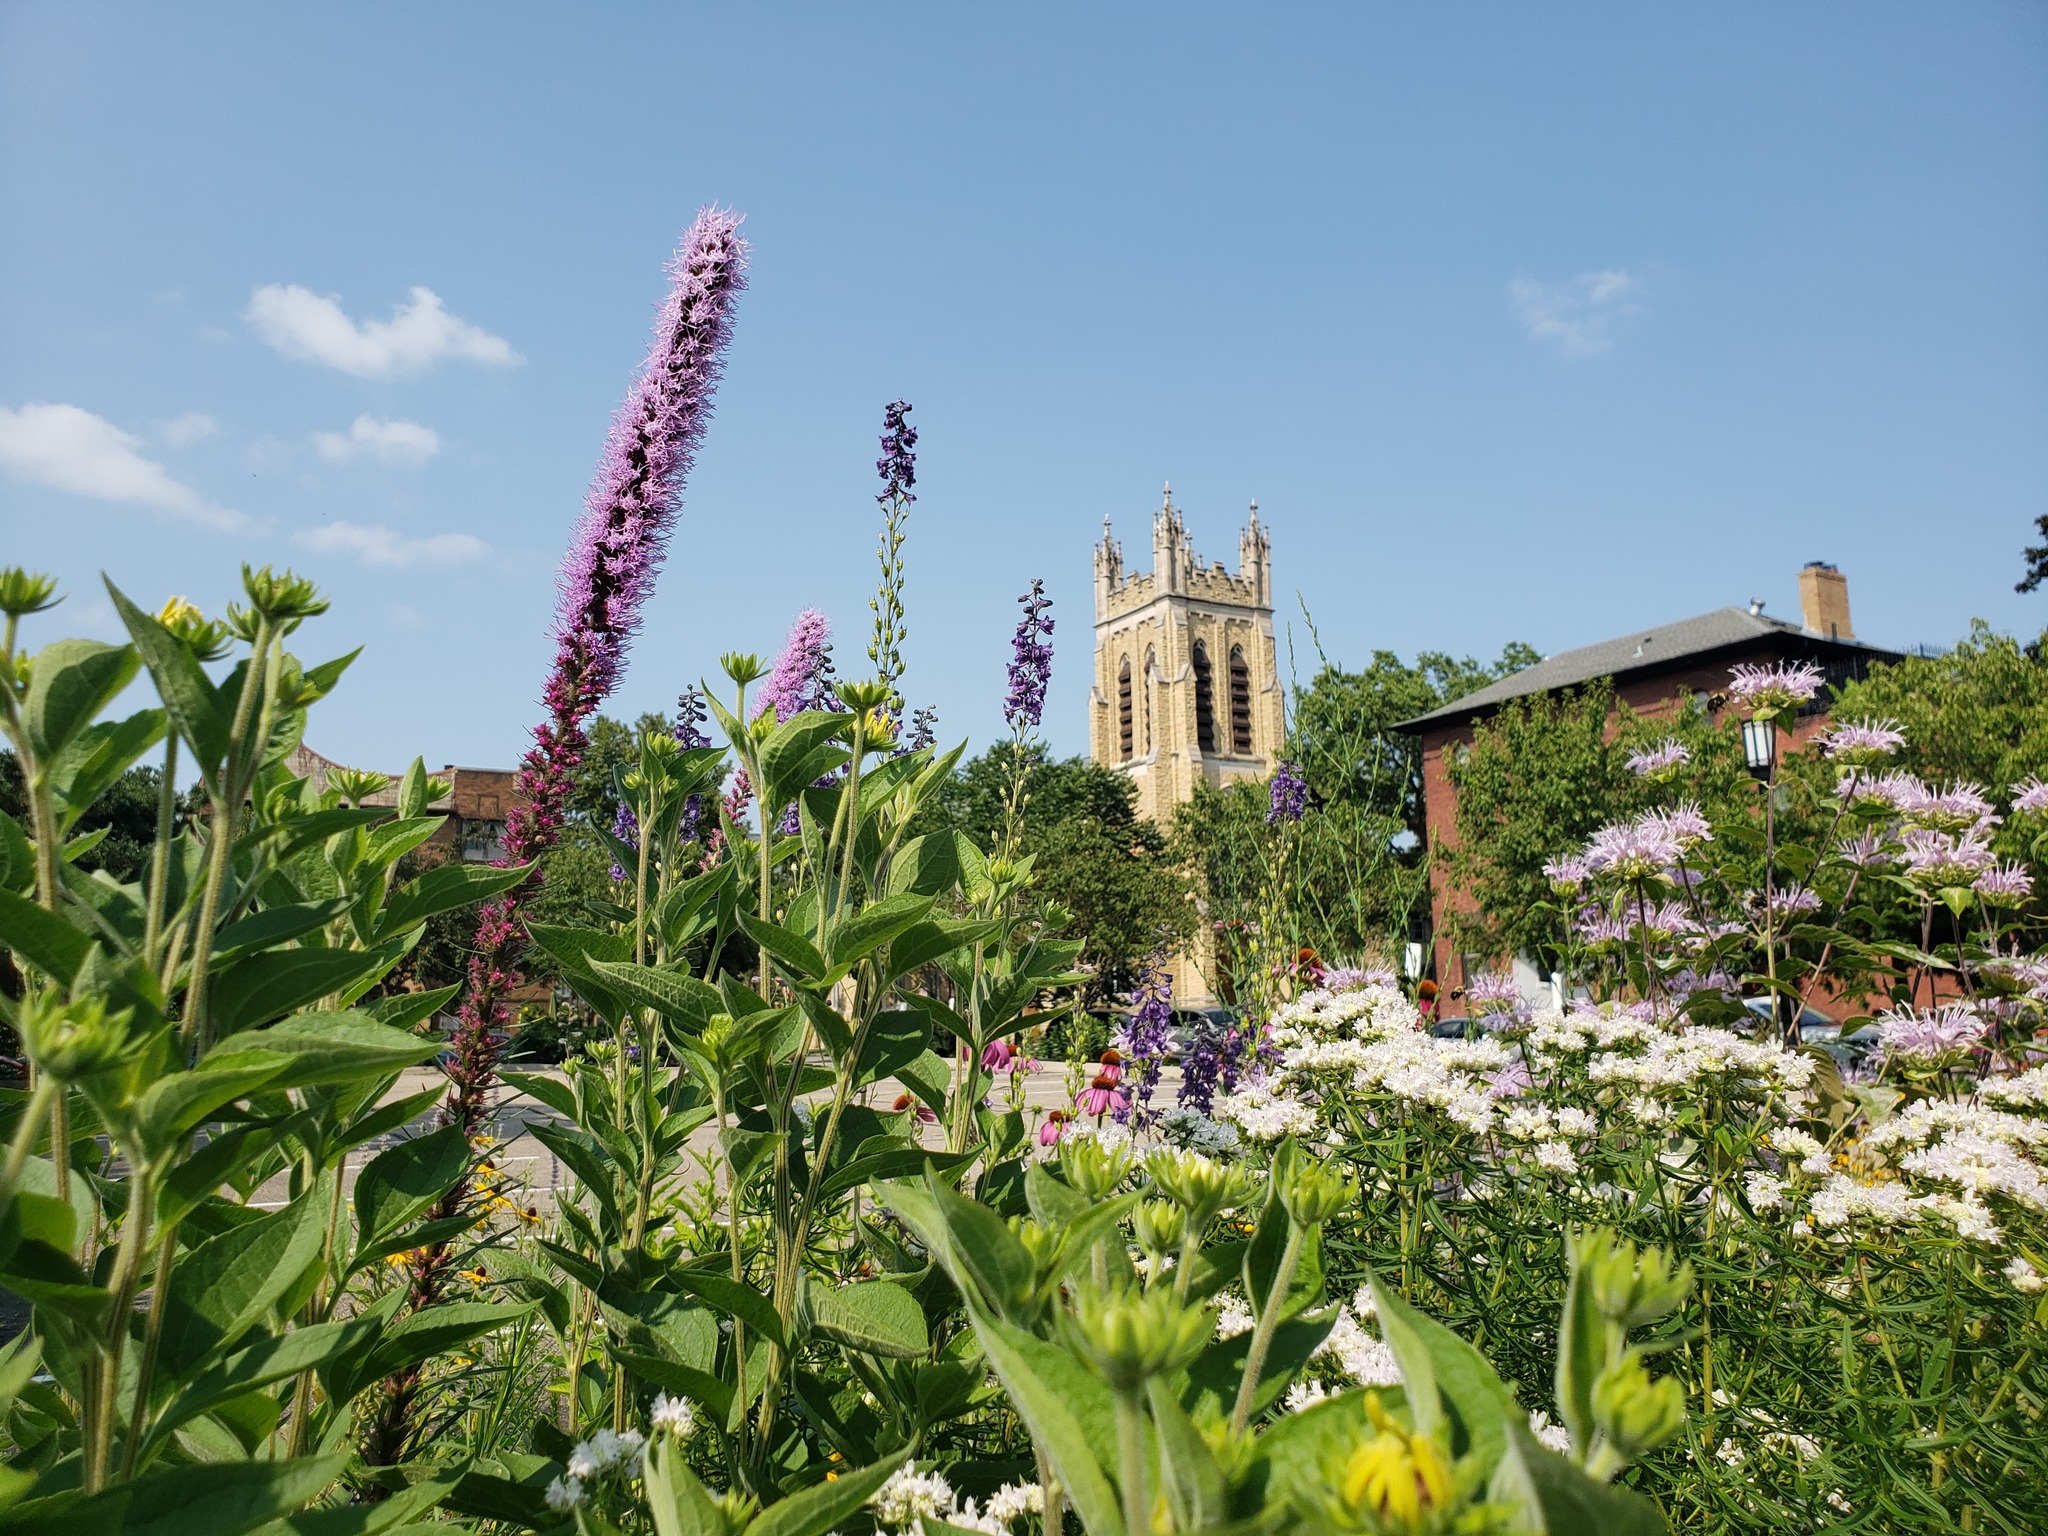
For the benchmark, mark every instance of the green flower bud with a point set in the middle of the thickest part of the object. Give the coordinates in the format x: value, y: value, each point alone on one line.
x: 1311, y: 1192
x: 860, y: 698
x: 281, y: 596
x: 355, y: 785
x: 205, y: 638
x: 1631, y: 1287
x: 1160, y: 1225
x: 1202, y: 1187
x: 1092, y: 1168
x: 71, y: 1041
x: 24, y: 592
x: 1128, y: 1337
x: 1635, y: 1413
x: 743, y: 667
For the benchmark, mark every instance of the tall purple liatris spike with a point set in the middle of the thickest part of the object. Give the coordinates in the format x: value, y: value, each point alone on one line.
x: 605, y: 578
x: 802, y: 675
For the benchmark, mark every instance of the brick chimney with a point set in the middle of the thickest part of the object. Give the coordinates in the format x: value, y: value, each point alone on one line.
x: 1824, y: 600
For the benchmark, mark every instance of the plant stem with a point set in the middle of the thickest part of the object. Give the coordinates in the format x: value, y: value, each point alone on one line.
x: 1130, y: 1440
x: 1269, y: 1320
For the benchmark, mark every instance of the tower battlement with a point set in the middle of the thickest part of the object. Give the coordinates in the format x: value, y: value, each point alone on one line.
x: 1187, y: 685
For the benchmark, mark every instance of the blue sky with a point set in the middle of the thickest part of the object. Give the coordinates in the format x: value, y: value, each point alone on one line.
x: 1534, y: 323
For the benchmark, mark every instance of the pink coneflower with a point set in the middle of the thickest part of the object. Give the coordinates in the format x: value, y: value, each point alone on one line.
x: 904, y: 1102
x: 2030, y: 795
x: 1767, y: 690
x: 997, y: 1055
x: 1660, y: 761
x: 1111, y: 1064
x: 1054, y: 1127
x: 1857, y: 742
x: 2004, y: 885
x: 1101, y: 1097
x: 1945, y: 1034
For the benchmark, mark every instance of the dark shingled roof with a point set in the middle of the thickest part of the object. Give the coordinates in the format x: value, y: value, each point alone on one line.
x: 1723, y: 629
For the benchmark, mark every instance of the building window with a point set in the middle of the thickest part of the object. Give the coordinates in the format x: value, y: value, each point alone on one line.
x: 1205, y: 700
x: 1123, y: 710
x: 481, y: 839
x: 1240, y: 703
x: 1151, y: 668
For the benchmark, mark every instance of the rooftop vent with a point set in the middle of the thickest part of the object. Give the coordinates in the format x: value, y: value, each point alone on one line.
x: 1824, y: 600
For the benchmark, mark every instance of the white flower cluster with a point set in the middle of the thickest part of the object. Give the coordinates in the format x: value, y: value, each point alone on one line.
x: 1233, y: 1315
x: 1682, y: 1060
x: 2024, y: 1090
x: 605, y: 1454
x: 1552, y: 1436
x: 1265, y: 1112
x: 1365, y: 1359
x: 909, y: 1498
x: 1796, y: 1146
x: 1365, y: 1014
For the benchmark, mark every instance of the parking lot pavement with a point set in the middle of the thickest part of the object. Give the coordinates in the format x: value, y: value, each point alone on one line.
x: 530, y: 1166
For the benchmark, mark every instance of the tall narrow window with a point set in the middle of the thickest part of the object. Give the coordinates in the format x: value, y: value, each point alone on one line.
x: 1151, y: 671
x: 1123, y: 710
x: 1240, y: 703
x: 1205, y: 701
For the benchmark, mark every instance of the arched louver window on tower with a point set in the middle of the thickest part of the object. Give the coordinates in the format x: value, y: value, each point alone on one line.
x: 1205, y: 700
x: 1151, y: 672
x: 1240, y: 703
x: 1123, y: 710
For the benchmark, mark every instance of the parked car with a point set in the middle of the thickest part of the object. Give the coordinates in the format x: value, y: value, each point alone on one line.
x: 1816, y: 1028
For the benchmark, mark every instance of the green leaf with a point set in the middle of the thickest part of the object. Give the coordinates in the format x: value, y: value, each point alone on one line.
x: 408, y: 1010
x: 228, y: 1284
x: 1196, y: 1490
x: 894, y: 1163
x: 823, y: 1506
x: 675, y: 995
x: 420, y: 1336
x: 679, y: 1504
x: 72, y: 681
x: 877, y: 1317
x: 445, y: 888
x: 1548, y: 1494
x: 195, y: 706
x: 334, y: 1048
x: 172, y: 1107
x: 735, y: 1298
x: 42, y: 938
x: 934, y: 940
x: 1046, y: 1412
x: 868, y: 930
x: 798, y: 753
x: 927, y: 1076
x: 272, y: 926
x: 1430, y: 1355
x: 1216, y: 1373
x: 402, y: 1181
x: 97, y: 758
x: 218, y: 1498
x: 924, y: 866
x: 275, y: 982
x: 267, y: 1360
x: 792, y: 951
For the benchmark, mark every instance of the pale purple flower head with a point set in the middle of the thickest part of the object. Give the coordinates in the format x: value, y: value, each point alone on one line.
x: 2004, y: 885
x: 1287, y: 796
x: 1946, y: 1033
x: 1597, y: 930
x: 1492, y: 990
x: 1661, y: 921
x: 2028, y: 971
x: 898, y: 464
x: 1878, y: 791
x: 1934, y: 859
x: 1867, y: 850
x: 1030, y: 660
x: 1857, y: 742
x: 1355, y: 978
x: 1660, y: 761
x: 626, y: 828
x: 1796, y: 898
x: 1685, y: 825
x: 1955, y: 807
x: 2030, y: 795
x: 802, y: 677
x: 1632, y: 851
x: 1567, y: 874
x: 1767, y: 690
x: 1688, y: 982
x: 617, y: 550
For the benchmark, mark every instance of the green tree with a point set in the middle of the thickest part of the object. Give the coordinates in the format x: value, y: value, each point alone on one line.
x: 1114, y: 873
x: 127, y: 811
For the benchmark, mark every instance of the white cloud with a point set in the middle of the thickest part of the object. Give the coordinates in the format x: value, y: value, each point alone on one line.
x: 301, y: 323
x: 70, y: 449
x: 376, y: 545
x: 1577, y: 314
x: 183, y: 431
x: 401, y: 444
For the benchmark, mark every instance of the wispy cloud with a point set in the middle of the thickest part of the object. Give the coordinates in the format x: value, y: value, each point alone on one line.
x: 401, y: 444
x: 301, y: 323
x: 1578, y: 314
x: 374, y: 544
x: 70, y: 449
x: 183, y: 431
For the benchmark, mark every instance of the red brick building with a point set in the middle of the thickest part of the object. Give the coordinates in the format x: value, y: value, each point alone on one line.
x: 474, y: 809
x: 1653, y: 672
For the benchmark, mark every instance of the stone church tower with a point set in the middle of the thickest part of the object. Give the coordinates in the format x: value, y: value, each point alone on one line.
x: 1187, y: 684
